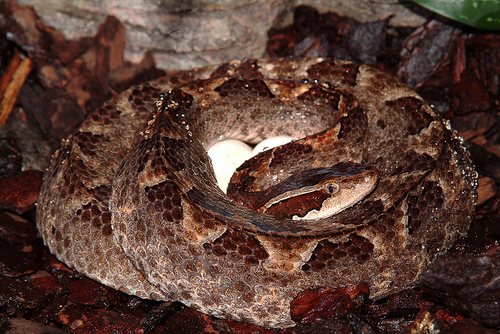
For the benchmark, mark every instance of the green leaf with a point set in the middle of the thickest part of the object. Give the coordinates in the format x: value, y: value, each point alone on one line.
x: 483, y: 14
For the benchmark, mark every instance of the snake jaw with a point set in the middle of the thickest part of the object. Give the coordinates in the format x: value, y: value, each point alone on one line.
x: 320, y: 192
x: 350, y: 191
x: 326, y: 187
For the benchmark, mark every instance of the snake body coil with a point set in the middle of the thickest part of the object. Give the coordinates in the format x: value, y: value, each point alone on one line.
x: 131, y: 200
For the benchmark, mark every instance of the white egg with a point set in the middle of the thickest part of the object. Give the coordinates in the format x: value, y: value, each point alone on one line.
x: 226, y: 156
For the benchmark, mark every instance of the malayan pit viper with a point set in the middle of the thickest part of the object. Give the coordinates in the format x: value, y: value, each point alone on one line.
x: 375, y: 187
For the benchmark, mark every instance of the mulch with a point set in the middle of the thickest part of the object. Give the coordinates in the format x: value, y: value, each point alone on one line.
x: 455, y: 68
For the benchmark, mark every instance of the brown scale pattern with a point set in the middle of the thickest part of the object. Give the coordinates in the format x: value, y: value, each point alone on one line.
x: 102, y: 193
x: 179, y: 78
x: 344, y: 73
x: 431, y: 198
x: 174, y: 149
x: 327, y: 254
x: 165, y: 197
x: 322, y: 96
x: 390, y: 225
x: 235, y: 246
x: 414, y: 162
x: 94, y: 214
x: 175, y: 99
x: 240, y: 184
x: 141, y: 164
x: 208, y: 219
x: 289, y: 153
x: 236, y: 86
x: 257, y: 160
x: 412, y: 106
x: 380, y: 123
x: 370, y: 210
x: 106, y: 115
x: 72, y: 182
x: 143, y: 97
x: 158, y: 158
x: 352, y: 125
x: 247, y: 69
x: 88, y: 142
x: 173, y: 229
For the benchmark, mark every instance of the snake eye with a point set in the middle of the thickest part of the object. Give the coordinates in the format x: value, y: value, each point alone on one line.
x: 331, y: 188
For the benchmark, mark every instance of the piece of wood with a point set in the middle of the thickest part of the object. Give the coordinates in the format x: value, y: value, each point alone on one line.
x: 11, y: 82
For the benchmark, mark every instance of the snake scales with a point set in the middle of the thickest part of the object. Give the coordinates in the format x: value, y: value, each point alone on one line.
x: 130, y: 199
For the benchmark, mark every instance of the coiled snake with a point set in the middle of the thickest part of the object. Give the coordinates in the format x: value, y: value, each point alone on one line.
x: 380, y: 186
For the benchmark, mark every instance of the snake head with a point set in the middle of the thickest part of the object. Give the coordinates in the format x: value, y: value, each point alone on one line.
x: 316, y: 193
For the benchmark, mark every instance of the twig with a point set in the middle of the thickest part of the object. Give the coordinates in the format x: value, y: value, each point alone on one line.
x: 11, y: 82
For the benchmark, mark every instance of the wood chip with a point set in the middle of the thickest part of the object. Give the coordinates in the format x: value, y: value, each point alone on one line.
x: 485, y: 190
x: 11, y: 82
